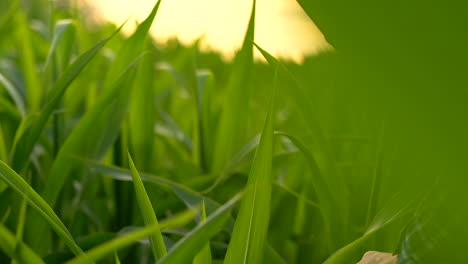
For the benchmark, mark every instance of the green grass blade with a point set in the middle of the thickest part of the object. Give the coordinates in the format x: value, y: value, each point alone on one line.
x: 147, y: 211
x: 250, y: 231
x: 204, y: 256
x: 376, y: 178
x: 107, y: 248
x: 397, y: 207
x: 28, y: 61
x: 189, y: 197
x: 270, y: 256
x: 14, y: 94
x: 206, y: 87
x: 233, y: 122
x: 19, y: 252
x: 20, y: 186
x: 29, y: 138
x: 3, y: 148
x: 328, y: 180
x: 91, y: 137
x: 142, y: 115
x: 187, y: 247
x: 61, y: 28
x: 115, y: 244
x: 103, y: 119
x: 131, y: 49
x: 9, y: 109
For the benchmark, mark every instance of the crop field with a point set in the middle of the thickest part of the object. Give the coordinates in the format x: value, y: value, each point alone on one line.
x: 121, y: 149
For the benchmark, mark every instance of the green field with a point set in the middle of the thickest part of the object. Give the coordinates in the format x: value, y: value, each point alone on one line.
x: 121, y: 149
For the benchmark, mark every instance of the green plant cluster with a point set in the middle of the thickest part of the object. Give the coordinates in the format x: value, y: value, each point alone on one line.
x: 117, y: 149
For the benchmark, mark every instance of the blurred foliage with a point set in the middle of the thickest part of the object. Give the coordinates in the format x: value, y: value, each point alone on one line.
x: 369, y: 145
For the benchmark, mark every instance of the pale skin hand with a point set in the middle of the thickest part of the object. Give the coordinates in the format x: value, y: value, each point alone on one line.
x: 374, y: 257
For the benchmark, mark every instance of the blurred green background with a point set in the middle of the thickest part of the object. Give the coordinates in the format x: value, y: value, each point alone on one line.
x: 371, y: 129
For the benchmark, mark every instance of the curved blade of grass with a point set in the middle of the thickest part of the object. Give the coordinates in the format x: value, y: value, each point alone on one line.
x: 206, y: 87
x: 109, y: 247
x: 204, y: 256
x: 115, y: 244
x: 28, y: 62
x: 235, y: 162
x: 14, y: 94
x: 101, y: 120
x: 187, y: 247
x: 396, y: 208
x: 9, y: 109
x: 250, y: 231
x: 328, y: 181
x: 61, y: 27
x: 131, y: 49
x: 188, y: 196
x: 142, y: 115
x: 295, y: 194
x: 147, y: 211
x: 233, y: 123
x: 95, y: 132
x: 17, y: 251
x: 20, y: 186
x: 326, y: 198
x: 29, y: 138
x: 270, y: 256
x: 3, y: 150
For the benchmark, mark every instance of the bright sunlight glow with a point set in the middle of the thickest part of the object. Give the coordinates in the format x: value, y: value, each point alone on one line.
x: 282, y: 27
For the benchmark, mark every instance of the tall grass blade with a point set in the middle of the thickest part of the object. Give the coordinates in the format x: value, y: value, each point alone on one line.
x: 20, y: 186
x: 397, y: 207
x: 142, y: 115
x: 17, y: 250
x: 114, y: 245
x: 250, y: 231
x: 233, y: 121
x: 107, y: 248
x: 27, y: 141
x: 61, y: 28
x: 187, y: 247
x: 204, y: 256
x: 149, y: 217
x: 90, y: 138
x: 28, y: 62
x: 3, y: 148
x: 131, y: 49
x: 14, y: 94
x: 189, y: 197
x: 327, y: 179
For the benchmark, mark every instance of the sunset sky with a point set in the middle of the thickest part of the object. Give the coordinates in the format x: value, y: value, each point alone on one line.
x: 282, y: 27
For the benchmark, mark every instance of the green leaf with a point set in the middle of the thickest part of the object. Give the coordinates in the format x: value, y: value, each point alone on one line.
x: 107, y: 248
x: 189, y: 197
x: 14, y: 94
x: 204, y: 256
x: 28, y: 61
x: 3, y: 149
x: 131, y: 49
x: 231, y: 133
x: 62, y: 27
x: 187, y: 247
x: 328, y: 180
x: 149, y: 217
x: 250, y: 231
x: 17, y: 250
x: 102, y: 122
x: 142, y: 115
x: 22, y: 188
x: 115, y: 244
x: 27, y: 141
x: 402, y: 203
